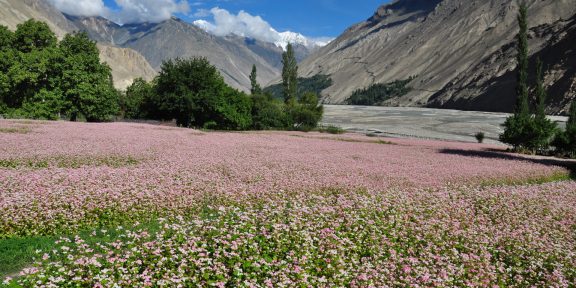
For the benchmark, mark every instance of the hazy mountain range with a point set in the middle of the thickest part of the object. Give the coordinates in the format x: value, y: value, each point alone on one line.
x: 460, y: 53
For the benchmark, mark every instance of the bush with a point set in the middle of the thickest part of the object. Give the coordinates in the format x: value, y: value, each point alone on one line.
x: 565, y: 141
x: 331, y: 129
x: 479, y: 137
x: 305, y: 114
x: 268, y: 113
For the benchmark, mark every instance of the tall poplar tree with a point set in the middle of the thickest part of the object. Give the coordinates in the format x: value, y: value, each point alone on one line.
x: 289, y: 75
x: 517, y: 127
x: 543, y: 128
x: 255, y: 87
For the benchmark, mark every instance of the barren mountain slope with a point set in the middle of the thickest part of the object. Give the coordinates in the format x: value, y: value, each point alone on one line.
x: 126, y: 64
x: 14, y: 12
x: 440, y: 42
x: 493, y: 81
x: 232, y: 55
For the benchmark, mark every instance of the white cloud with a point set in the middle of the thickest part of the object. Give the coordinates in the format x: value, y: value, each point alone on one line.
x: 138, y: 11
x: 242, y: 24
x: 81, y: 7
x: 130, y: 11
x: 246, y: 25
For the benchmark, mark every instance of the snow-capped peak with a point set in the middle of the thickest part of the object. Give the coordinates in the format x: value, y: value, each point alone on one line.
x: 293, y: 38
x: 297, y: 38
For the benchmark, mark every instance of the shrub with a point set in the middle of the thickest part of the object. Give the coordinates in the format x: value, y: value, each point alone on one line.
x: 331, y: 129
x: 305, y: 114
x: 479, y: 137
x: 268, y: 113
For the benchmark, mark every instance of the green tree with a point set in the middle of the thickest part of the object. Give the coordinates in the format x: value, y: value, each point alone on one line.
x: 87, y: 83
x: 7, y: 59
x: 6, y: 38
x: 305, y: 114
x: 44, y: 105
x: 33, y: 35
x: 255, y: 87
x: 522, y: 105
x: 543, y: 128
x: 137, y: 96
x: 565, y: 141
x: 289, y: 75
x: 180, y: 84
x: 518, y: 127
x: 230, y: 110
x: 268, y: 113
x: 29, y: 73
x: 193, y: 92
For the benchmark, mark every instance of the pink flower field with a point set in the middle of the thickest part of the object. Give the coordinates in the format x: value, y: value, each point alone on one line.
x: 281, y: 209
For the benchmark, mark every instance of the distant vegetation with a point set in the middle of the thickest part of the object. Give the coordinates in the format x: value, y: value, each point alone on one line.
x: 42, y: 78
x: 193, y: 92
x: 314, y: 84
x: 377, y: 93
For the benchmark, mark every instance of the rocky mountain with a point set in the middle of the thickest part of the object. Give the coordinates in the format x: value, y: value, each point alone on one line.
x: 138, y: 50
x: 232, y: 55
x: 14, y: 12
x: 460, y: 53
x: 126, y: 64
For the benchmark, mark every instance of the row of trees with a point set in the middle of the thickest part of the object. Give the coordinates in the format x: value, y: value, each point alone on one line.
x: 378, y: 93
x: 528, y: 129
x: 195, y: 94
x: 42, y: 78
x: 315, y: 84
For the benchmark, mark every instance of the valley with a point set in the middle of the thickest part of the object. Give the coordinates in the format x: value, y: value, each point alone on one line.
x: 177, y: 144
x: 423, y: 123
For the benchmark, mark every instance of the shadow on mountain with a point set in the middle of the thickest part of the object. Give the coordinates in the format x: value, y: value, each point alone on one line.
x: 397, y: 13
x: 500, y: 154
x: 559, y: 56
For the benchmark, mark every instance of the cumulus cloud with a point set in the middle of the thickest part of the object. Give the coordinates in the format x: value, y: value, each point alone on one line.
x: 242, y: 24
x: 130, y: 11
x: 138, y: 11
x: 81, y: 7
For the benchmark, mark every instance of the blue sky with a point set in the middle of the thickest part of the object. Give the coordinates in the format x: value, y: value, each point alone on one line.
x: 314, y: 18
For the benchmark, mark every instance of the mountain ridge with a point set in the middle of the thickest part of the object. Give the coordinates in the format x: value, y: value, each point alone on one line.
x: 438, y: 42
x: 126, y: 64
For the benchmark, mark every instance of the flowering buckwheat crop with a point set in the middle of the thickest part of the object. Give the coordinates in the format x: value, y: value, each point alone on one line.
x: 282, y: 209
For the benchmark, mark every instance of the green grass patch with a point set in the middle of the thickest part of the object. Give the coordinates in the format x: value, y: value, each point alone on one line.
x: 383, y: 142
x: 15, y: 130
x: 351, y: 140
x: 113, y: 161
x: 17, y: 253
x: 536, y: 180
x: 20, y: 252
